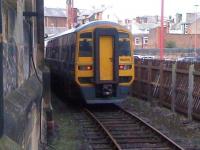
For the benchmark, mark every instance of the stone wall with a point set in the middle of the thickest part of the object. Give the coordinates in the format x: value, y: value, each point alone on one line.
x: 22, y: 90
x: 22, y: 114
x: 16, y: 53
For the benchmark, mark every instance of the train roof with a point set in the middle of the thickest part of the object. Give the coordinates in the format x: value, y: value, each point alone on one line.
x: 88, y: 25
x: 94, y: 23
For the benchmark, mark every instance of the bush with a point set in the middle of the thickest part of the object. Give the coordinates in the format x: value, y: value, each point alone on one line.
x: 170, y: 44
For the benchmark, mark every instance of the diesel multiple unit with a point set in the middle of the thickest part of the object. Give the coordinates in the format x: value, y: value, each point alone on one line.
x: 94, y: 61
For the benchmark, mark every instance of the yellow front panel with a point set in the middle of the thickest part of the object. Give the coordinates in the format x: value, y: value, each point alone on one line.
x: 106, y: 57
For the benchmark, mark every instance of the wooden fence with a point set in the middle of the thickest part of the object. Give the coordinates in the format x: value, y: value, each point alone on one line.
x: 175, y: 85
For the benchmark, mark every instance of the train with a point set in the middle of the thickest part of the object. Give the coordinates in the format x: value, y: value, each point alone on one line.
x: 93, y: 61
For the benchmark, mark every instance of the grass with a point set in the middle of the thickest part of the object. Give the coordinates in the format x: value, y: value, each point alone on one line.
x: 66, y: 135
x: 164, y: 118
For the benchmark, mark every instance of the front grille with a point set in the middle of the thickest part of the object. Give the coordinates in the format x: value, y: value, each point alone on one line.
x: 125, y: 79
x: 85, y: 80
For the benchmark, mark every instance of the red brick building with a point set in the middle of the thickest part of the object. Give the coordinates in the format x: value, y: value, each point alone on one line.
x: 194, y: 27
x: 55, y: 20
x: 141, y: 40
x: 179, y: 40
x: 85, y: 15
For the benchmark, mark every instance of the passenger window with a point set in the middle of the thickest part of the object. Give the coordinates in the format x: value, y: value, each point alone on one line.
x: 123, y: 35
x: 87, y: 35
x: 124, y: 48
x: 63, y: 53
x: 85, y: 48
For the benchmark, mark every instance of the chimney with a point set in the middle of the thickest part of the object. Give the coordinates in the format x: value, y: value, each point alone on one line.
x: 70, y: 13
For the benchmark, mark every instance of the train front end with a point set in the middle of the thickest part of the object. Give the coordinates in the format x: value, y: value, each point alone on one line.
x: 104, y: 68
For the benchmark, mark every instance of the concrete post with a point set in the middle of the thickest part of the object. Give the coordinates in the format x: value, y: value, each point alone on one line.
x: 1, y: 75
x: 173, y: 102
x: 190, y: 91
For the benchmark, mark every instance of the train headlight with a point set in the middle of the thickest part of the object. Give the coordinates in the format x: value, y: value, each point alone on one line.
x: 125, y: 67
x: 85, y: 67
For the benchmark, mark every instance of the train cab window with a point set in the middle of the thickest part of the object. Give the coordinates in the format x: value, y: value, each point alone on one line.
x: 124, y: 48
x: 85, y: 48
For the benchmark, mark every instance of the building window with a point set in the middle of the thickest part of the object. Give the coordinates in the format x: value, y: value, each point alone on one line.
x: 145, y: 40
x: 137, y: 41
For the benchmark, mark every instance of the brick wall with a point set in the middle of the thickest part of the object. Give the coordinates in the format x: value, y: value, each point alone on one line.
x: 181, y: 40
x: 55, y: 22
x: 139, y: 40
x: 192, y: 28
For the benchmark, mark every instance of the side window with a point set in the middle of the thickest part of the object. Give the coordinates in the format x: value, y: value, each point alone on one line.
x: 73, y: 52
x: 47, y: 52
x: 87, y: 35
x: 63, y: 53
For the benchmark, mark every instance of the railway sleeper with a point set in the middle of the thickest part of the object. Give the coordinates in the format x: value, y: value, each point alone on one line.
x: 140, y: 140
x: 94, y: 134
x: 143, y: 146
x: 133, y: 136
x: 122, y: 125
x: 101, y: 146
x: 129, y: 129
x: 119, y: 122
x: 164, y: 148
x: 103, y: 141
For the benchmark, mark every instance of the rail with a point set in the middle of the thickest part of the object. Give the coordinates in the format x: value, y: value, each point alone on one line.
x: 128, y: 131
x: 153, y: 129
x: 116, y: 145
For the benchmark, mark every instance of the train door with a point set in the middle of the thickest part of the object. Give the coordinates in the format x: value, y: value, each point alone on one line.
x: 106, y: 55
x: 106, y: 58
x: 106, y: 61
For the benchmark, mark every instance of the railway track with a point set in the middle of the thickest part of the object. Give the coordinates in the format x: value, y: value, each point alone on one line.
x: 115, y: 128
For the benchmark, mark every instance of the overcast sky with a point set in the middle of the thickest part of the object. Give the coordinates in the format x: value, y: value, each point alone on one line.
x: 133, y: 8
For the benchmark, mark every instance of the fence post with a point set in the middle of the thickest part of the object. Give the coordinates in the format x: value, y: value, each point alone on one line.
x: 173, y: 102
x: 149, y: 97
x: 161, y: 83
x: 190, y: 91
x: 139, y: 78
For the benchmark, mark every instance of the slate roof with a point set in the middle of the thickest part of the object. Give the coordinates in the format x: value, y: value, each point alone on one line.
x: 88, y: 13
x: 55, y: 12
x: 87, y: 25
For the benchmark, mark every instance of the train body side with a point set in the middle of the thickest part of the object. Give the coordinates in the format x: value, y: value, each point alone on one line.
x: 94, y: 61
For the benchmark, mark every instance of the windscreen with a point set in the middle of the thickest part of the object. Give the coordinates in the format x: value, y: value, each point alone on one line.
x: 124, y: 44
x: 85, y: 45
